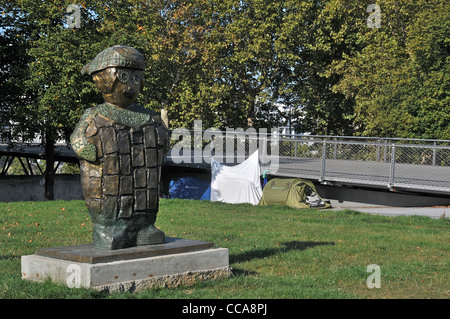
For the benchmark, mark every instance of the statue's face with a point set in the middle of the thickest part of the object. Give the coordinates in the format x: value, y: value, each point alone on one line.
x: 126, y: 88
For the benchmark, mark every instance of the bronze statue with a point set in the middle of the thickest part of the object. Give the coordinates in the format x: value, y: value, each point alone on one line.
x: 120, y: 145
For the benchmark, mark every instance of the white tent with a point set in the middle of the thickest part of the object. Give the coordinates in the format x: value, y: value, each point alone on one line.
x: 236, y: 184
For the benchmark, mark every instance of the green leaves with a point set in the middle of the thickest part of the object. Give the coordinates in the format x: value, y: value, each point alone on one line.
x: 229, y: 61
x: 395, y: 74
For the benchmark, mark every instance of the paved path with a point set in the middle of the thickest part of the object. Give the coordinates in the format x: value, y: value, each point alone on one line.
x: 432, y: 212
x: 368, y: 173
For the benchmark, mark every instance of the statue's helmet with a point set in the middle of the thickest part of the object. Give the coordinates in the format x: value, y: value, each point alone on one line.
x: 115, y: 56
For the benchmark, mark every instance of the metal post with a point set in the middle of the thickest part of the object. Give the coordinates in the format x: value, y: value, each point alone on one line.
x: 23, y: 166
x: 378, y: 150
x: 434, y: 154
x: 335, y: 149
x: 324, y: 158
x: 264, y: 147
x: 5, y: 166
x: 392, y: 170
x: 295, y: 153
x: 29, y: 166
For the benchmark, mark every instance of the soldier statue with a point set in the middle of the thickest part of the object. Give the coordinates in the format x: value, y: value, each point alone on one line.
x: 120, y: 146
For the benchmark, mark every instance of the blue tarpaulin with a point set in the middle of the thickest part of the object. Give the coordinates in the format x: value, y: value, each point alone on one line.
x: 189, y: 188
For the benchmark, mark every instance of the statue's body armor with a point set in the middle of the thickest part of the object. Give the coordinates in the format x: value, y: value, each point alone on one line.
x: 121, y: 185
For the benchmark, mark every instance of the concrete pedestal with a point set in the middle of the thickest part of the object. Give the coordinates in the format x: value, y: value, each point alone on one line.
x: 177, y: 262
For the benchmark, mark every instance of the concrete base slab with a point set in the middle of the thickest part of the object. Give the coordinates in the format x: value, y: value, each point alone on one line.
x: 121, y: 273
x: 88, y: 254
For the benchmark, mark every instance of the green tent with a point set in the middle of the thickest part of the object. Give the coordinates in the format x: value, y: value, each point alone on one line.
x: 293, y: 192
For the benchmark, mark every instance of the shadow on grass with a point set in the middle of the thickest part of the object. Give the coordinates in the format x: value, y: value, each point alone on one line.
x: 264, y: 253
x: 9, y: 257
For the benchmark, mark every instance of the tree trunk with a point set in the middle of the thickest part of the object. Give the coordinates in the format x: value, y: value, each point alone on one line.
x: 251, y: 113
x: 49, y: 168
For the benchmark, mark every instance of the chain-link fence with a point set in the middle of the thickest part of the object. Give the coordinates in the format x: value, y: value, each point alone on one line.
x: 401, y: 163
x: 228, y: 147
x: 394, y: 163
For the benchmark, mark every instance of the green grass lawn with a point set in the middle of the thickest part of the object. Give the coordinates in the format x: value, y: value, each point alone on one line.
x: 275, y: 252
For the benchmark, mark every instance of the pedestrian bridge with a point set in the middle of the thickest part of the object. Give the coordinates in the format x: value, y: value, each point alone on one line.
x: 413, y: 165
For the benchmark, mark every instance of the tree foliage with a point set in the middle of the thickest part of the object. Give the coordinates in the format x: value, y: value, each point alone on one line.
x: 232, y: 62
x: 398, y: 74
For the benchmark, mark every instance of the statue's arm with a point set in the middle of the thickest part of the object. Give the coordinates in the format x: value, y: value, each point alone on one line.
x: 80, y: 145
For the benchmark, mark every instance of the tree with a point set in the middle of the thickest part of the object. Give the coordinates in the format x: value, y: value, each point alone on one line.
x: 226, y: 62
x: 53, y: 92
x: 232, y: 62
x: 14, y: 31
x: 54, y: 55
x: 398, y: 73
x: 331, y: 34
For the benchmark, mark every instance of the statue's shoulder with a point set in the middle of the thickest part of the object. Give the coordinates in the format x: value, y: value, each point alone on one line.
x: 140, y: 109
x: 89, y: 113
x: 84, y: 121
x: 80, y: 145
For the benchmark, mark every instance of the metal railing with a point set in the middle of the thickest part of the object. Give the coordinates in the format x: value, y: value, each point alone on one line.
x: 415, y: 164
x: 391, y: 162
